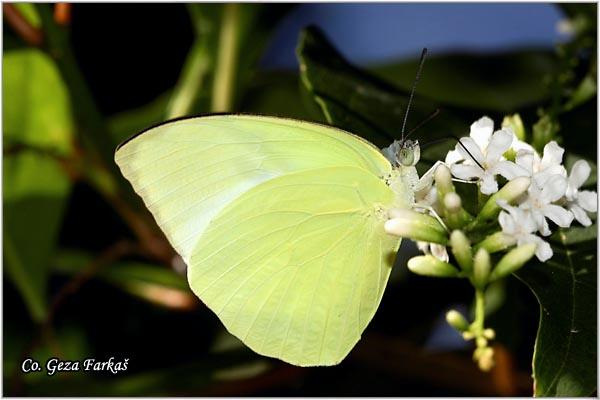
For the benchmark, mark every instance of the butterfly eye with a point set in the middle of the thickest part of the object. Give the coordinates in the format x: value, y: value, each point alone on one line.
x: 406, y: 157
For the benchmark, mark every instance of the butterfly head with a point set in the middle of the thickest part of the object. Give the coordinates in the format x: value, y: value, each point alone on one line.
x: 409, y: 153
x: 403, y: 153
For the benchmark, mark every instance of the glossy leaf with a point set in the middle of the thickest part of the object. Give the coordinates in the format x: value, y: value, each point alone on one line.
x: 564, y: 362
x: 491, y: 82
x: 354, y: 100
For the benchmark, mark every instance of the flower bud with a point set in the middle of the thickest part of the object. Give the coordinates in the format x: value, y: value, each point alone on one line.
x: 461, y: 248
x: 485, y: 358
x: 431, y: 266
x: 481, y: 341
x: 416, y: 226
x: 496, y: 242
x: 509, y: 193
x: 457, y: 321
x: 452, y: 202
x: 455, y: 215
x: 513, y: 260
x: 489, y: 333
x: 443, y: 180
x: 481, y: 268
x: 516, y: 124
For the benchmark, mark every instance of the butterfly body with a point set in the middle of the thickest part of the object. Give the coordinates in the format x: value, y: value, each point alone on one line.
x: 280, y: 223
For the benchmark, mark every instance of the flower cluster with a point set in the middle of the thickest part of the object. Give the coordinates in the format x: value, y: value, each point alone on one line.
x: 519, y: 193
x: 552, y: 194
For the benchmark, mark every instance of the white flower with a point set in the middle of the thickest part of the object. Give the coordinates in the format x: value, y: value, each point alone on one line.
x: 481, y: 132
x: 519, y: 224
x: 540, y: 169
x: 539, y: 203
x: 487, y: 149
x: 437, y: 250
x: 578, y: 202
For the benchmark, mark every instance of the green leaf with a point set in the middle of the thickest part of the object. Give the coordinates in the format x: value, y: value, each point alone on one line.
x: 35, y: 193
x: 564, y: 362
x: 39, y: 111
x: 493, y: 82
x: 584, y: 92
x: 359, y: 102
x: 275, y: 93
x: 37, y: 131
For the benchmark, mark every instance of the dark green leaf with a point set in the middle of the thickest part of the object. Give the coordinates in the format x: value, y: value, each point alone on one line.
x: 358, y: 102
x: 565, y: 361
x: 275, y: 93
x: 492, y: 82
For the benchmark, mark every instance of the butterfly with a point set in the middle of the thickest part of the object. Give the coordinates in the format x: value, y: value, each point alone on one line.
x: 280, y: 222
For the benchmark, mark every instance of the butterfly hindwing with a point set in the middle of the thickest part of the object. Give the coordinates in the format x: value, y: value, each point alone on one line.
x: 296, y: 267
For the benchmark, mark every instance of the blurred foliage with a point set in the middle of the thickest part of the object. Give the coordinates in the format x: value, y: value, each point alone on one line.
x: 96, y: 278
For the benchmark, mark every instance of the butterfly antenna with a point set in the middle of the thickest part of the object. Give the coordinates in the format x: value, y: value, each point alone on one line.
x: 414, y: 87
x: 459, y: 142
x: 423, y: 122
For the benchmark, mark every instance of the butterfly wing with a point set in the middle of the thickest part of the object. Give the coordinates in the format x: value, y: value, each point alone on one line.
x: 280, y: 223
x: 186, y: 171
x: 296, y: 267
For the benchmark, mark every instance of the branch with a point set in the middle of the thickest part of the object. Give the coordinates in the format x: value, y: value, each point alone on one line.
x: 30, y: 34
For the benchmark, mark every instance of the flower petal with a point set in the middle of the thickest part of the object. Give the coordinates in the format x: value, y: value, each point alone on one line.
x: 543, y: 250
x: 508, y: 169
x: 588, y: 200
x: 500, y: 142
x: 472, y: 148
x: 488, y: 183
x: 580, y: 215
x: 579, y: 174
x: 553, y: 189
x: 541, y: 177
x: 453, y: 156
x: 558, y: 215
x: 525, y: 159
x: 507, y: 223
x: 518, y: 145
x: 462, y: 171
x: 481, y: 131
x: 553, y: 155
x: 541, y: 223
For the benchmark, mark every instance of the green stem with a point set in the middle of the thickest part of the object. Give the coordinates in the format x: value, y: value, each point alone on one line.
x: 478, y: 324
x: 225, y: 69
x: 191, y: 82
